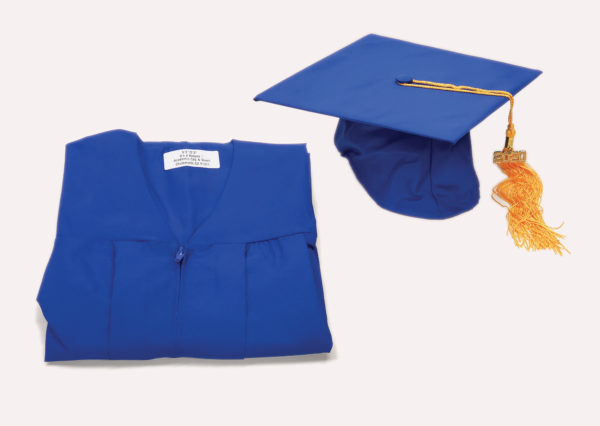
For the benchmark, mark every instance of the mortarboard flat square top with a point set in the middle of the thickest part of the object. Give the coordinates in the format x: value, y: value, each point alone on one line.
x: 358, y: 83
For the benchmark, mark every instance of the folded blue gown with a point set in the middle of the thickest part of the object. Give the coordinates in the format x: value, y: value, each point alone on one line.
x: 176, y: 249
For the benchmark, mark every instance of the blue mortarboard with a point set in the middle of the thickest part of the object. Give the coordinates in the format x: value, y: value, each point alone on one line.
x: 410, y: 148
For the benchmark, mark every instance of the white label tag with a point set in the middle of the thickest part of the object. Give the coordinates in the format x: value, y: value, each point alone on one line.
x: 191, y: 158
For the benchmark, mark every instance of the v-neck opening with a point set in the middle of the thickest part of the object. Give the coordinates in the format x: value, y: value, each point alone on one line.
x: 162, y: 205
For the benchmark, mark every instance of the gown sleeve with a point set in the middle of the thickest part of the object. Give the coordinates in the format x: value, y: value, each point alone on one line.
x: 75, y: 291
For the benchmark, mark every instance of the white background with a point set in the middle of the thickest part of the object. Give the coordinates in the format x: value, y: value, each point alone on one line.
x: 434, y: 322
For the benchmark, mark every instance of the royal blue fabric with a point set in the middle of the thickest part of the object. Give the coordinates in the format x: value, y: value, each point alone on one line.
x: 358, y: 83
x: 409, y: 174
x: 393, y: 135
x: 194, y: 262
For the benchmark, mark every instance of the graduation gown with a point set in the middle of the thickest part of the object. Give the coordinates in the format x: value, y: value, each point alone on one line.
x: 213, y: 261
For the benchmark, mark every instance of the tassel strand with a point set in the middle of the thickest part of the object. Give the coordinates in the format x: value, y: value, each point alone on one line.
x: 522, y: 191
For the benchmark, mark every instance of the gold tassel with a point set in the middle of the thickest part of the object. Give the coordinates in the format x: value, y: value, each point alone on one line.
x: 522, y: 190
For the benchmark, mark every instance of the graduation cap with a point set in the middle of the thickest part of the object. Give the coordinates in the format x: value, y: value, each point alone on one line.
x: 405, y: 112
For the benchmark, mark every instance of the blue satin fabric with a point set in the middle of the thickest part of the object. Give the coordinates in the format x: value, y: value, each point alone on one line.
x: 194, y: 262
x: 410, y: 174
